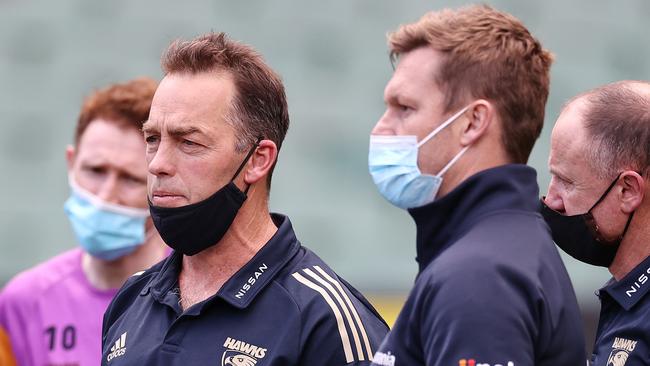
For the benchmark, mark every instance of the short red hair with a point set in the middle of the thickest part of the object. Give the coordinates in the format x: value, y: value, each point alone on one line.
x: 491, y: 55
x: 125, y: 104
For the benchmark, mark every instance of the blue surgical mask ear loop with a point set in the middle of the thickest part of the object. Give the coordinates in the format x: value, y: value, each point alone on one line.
x: 436, y: 131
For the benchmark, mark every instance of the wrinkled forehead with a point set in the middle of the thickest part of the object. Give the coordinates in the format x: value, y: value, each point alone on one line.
x: 198, y: 97
x: 108, y: 125
x: 107, y: 144
x: 569, y: 140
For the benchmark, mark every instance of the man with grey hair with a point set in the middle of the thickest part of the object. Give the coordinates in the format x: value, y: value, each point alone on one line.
x: 597, y: 209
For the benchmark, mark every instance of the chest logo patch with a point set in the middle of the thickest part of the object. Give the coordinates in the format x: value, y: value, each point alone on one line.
x: 239, y: 353
x: 621, y: 349
x: 384, y: 359
x: 473, y: 362
x: 118, y: 349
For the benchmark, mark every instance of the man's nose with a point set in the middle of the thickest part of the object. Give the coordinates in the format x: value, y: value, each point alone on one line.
x: 553, y: 198
x: 162, y: 162
x: 109, y: 190
x: 383, y: 126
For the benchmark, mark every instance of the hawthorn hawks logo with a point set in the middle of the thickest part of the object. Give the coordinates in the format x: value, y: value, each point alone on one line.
x: 621, y: 349
x: 240, y: 353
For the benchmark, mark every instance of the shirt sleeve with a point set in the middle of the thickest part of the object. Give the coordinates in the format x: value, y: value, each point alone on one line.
x: 338, y: 329
x: 477, y: 314
x: 327, y: 346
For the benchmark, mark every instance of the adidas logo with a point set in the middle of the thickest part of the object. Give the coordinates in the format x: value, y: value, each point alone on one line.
x: 118, y: 349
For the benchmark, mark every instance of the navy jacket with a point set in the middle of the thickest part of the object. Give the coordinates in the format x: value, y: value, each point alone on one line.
x: 491, y: 287
x: 284, y: 307
x: 623, y: 336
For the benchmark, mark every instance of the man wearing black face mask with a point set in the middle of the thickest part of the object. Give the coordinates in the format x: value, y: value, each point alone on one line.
x: 597, y: 210
x: 239, y: 288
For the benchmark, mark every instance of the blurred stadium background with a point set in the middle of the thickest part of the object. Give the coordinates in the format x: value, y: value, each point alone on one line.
x: 332, y: 56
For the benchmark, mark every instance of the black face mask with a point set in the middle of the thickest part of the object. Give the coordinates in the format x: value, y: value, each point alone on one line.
x: 191, y: 229
x: 579, y: 235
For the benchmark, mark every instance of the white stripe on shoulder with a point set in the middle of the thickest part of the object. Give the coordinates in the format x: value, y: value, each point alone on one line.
x: 346, y: 311
x: 354, y: 310
x: 345, y: 340
x: 137, y: 273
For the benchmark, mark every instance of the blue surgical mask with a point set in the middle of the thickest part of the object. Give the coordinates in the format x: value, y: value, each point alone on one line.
x: 393, y: 164
x: 104, y: 230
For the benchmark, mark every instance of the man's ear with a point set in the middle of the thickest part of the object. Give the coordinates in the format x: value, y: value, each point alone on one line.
x: 69, y: 156
x: 632, y: 191
x: 480, y: 116
x: 261, y: 162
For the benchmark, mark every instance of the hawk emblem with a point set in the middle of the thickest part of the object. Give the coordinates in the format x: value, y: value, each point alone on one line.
x: 232, y: 358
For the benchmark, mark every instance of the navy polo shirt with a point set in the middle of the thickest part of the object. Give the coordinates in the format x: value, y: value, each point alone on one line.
x: 623, y: 336
x: 284, y: 307
x: 491, y: 288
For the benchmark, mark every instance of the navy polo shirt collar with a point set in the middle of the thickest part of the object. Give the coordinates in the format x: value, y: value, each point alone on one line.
x: 445, y: 220
x: 632, y: 288
x: 242, y: 288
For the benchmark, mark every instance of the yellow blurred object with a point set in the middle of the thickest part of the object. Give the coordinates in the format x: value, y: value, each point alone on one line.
x: 6, y: 354
x: 388, y: 306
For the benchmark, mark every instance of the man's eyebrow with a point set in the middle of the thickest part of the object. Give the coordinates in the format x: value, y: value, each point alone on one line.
x: 557, y: 173
x: 147, y: 126
x: 180, y: 131
x: 397, y: 95
x: 175, y: 131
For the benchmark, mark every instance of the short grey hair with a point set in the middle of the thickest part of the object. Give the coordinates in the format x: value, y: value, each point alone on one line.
x: 617, y: 119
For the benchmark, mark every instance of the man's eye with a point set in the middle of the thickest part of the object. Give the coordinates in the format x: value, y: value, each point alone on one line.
x: 563, y: 181
x: 152, y: 139
x: 132, y: 179
x: 189, y: 143
x: 96, y: 169
x: 405, y: 108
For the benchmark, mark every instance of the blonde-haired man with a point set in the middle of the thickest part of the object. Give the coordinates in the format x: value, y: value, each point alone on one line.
x: 463, y: 110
